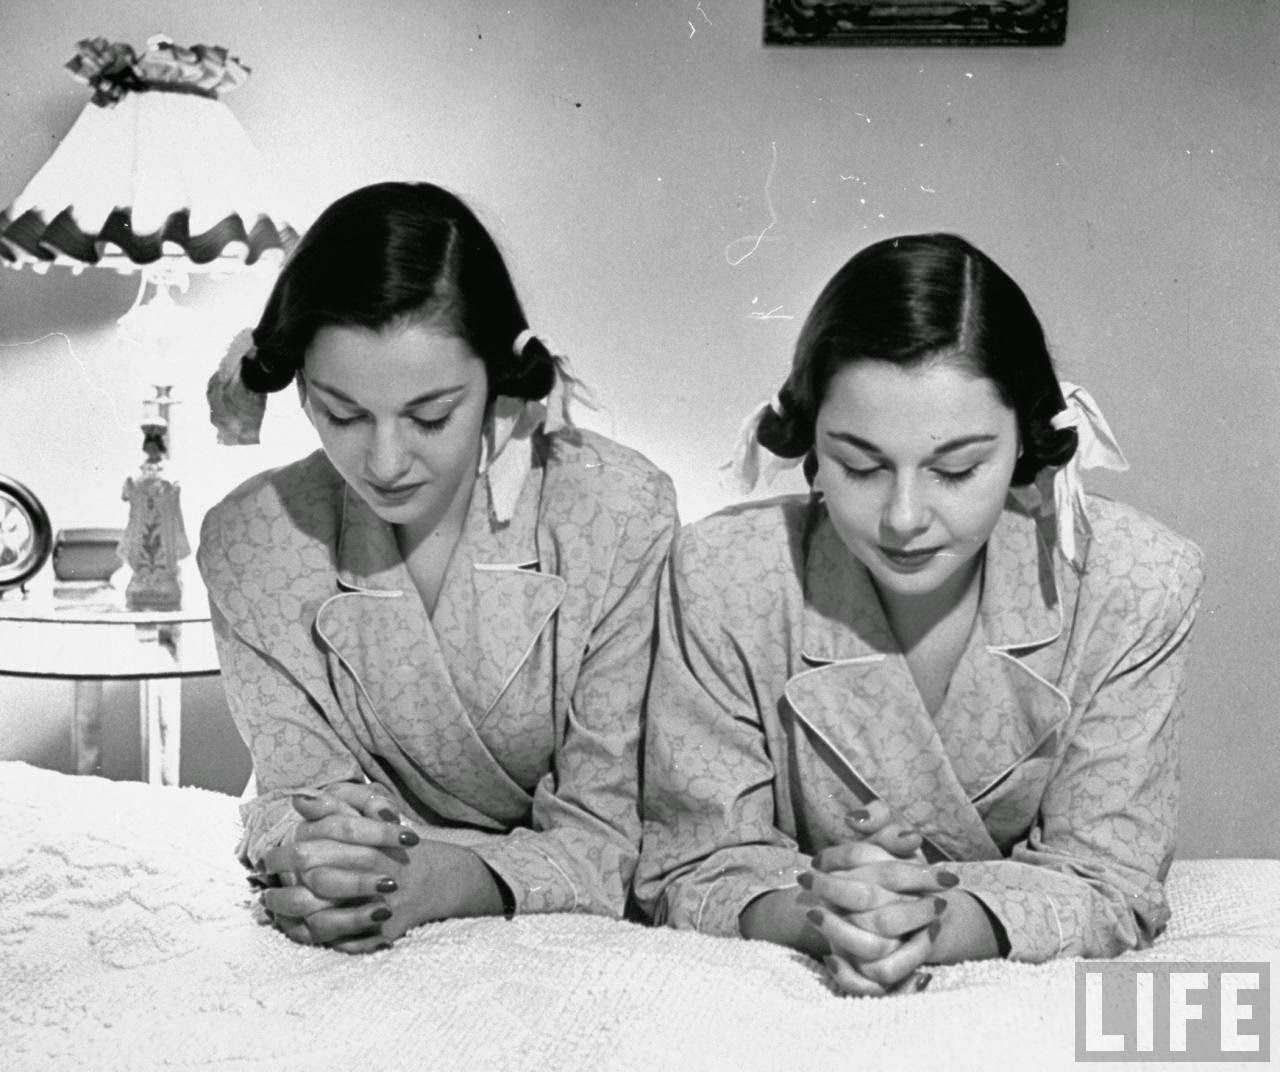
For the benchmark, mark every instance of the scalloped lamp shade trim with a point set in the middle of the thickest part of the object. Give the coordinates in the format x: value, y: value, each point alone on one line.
x: 155, y: 175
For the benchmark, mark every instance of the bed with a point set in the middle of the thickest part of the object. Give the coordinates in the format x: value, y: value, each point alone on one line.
x: 128, y: 941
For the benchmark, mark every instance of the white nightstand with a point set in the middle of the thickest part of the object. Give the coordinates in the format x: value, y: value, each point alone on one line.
x: 85, y: 635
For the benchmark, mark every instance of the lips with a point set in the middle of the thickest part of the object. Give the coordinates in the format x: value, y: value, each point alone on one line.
x: 395, y: 493
x: 910, y: 558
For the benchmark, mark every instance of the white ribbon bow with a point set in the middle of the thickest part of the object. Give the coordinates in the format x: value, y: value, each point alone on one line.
x: 506, y: 447
x: 751, y: 464
x: 1096, y: 448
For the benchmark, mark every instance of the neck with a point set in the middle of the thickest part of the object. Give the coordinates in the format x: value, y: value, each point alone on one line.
x: 913, y: 617
x: 441, y: 529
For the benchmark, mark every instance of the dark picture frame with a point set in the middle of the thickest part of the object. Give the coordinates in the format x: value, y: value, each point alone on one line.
x: 26, y: 537
x: 915, y: 22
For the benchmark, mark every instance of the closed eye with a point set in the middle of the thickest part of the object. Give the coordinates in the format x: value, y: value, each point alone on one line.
x: 854, y: 472
x: 339, y: 422
x: 956, y: 476
x: 433, y: 426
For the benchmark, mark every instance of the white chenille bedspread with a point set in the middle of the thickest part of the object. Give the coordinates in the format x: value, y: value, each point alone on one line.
x: 127, y: 942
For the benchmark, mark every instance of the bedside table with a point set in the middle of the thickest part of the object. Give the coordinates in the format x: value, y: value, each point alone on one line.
x: 83, y: 633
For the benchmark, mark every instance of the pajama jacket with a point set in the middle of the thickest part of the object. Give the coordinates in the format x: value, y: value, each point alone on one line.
x: 512, y: 711
x: 1048, y: 778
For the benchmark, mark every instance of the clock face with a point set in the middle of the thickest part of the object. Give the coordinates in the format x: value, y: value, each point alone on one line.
x: 16, y: 534
x: 25, y: 535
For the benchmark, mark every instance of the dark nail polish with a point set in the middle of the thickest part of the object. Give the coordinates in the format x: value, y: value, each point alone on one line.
x: 860, y: 816
x: 381, y: 946
x: 387, y: 885
x: 939, y: 905
x: 947, y: 879
x: 408, y: 837
x: 388, y: 815
x: 805, y: 879
x: 380, y: 915
x: 923, y: 979
x: 934, y: 928
x: 814, y: 916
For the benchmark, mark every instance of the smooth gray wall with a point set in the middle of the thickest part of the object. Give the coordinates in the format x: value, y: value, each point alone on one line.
x: 625, y: 154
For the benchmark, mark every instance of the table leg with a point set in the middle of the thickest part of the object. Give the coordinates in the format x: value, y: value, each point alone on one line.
x: 160, y: 711
x: 86, y: 727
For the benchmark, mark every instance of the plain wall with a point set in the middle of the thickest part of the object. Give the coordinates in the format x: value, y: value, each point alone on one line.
x: 672, y: 196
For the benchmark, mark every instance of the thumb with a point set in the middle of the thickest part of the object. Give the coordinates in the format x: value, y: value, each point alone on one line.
x: 313, y: 805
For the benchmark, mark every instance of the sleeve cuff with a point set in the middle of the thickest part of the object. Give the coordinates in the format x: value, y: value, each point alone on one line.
x: 1048, y: 914
x: 536, y: 882
x: 267, y: 823
x: 714, y: 904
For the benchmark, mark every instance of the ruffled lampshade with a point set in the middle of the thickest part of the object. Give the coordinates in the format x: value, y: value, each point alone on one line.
x: 155, y: 167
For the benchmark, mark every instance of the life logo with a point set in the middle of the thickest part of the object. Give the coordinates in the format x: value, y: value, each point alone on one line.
x: 1173, y: 1011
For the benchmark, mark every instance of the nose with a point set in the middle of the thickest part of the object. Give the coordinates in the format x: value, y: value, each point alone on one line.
x: 388, y: 459
x: 906, y: 514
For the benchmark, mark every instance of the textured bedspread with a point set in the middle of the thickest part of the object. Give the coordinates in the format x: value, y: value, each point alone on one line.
x: 127, y: 942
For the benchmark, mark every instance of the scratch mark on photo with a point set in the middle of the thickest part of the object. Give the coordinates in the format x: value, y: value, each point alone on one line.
x: 84, y: 372
x: 692, y: 29
x: 928, y: 189
x: 703, y: 14
x: 755, y: 240
x: 772, y: 314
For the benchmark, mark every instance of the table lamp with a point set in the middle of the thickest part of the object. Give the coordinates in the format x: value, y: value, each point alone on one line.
x: 155, y: 177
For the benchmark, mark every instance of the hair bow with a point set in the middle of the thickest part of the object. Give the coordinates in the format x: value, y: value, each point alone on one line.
x: 1096, y: 448
x: 750, y: 464
x: 506, y: 449
x: 234, y: 410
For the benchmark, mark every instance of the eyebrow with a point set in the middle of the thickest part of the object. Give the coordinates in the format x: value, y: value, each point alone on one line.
x: 413, y: 403
x: 943, y: 448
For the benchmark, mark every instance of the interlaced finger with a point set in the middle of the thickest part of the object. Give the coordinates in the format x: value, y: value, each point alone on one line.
x: 848, y: 939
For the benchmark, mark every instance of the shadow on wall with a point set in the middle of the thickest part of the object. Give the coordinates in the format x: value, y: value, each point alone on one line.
x: 213, y: 756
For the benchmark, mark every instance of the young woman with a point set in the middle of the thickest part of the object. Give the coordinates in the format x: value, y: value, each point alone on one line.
x: 444, y: 615
x: 930, y: 712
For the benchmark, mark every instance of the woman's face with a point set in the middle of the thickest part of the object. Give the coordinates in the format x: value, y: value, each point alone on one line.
x: 914, y: 465
x: 400, y: 413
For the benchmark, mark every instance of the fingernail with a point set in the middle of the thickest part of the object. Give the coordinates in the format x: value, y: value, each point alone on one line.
x: 380, y: 915
x: 817, y: 860
x: 381, y: 946
x: 831, y: 964
x: 906, y: 835
x: 947, y: 878
x: 814, y: 916
x: 860, y: 816
x: 805, y: 880
x: 923, y: 979
x: 387, y: 885
x: 939, y: 905
x: 388, y: 815
x: 934, y: 928
x: 408, y: 837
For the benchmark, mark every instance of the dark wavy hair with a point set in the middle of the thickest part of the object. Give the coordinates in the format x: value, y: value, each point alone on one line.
x: 916, y: 299
x: 398, y: 253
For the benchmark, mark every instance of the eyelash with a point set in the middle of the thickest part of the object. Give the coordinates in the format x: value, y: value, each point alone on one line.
x: 425, y: 427
x: 944, y: 476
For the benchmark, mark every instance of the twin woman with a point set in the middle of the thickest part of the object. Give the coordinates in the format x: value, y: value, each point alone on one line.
x: 927, y: 712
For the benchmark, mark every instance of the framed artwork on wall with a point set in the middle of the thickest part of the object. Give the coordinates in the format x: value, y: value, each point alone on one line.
x: 915, y: 22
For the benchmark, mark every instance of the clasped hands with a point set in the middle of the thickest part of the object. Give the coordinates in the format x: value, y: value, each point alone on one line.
x: 878, y: 907
x: 353, y: 878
